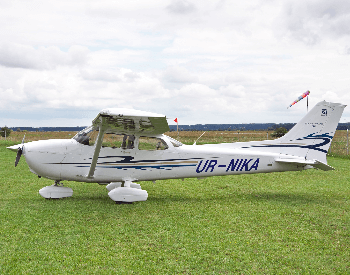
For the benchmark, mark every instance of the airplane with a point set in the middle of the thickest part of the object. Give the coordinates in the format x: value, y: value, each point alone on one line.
x: 125, y: 146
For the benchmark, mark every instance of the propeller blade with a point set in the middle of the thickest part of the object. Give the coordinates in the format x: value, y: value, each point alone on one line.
x: 19, y: 154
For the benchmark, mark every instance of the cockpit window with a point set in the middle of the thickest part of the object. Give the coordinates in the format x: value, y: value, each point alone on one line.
x: 88, y: 136
x: 85, y: 136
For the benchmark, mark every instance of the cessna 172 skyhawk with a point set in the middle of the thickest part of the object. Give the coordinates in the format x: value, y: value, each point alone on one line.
x: 125, y: 146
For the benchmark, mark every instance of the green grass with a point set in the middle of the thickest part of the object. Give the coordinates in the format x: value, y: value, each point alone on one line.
x: 293, y: 222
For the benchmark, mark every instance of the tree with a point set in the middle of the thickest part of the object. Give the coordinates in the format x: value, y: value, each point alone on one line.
x: 279, y: 132
x: 5, y: 131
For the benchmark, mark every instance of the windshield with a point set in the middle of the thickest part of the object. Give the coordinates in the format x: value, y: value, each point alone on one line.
x: 84, y: 136
x: 174, y: 142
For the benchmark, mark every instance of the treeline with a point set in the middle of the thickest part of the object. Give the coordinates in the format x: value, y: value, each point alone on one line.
x: 244, y: 127
x: 197, y: 127
x: 48, y: 129
x: 233, y: 127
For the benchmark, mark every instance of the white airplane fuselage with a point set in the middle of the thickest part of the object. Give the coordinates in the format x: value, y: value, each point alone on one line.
x: 142, y: 152
x: 70, y: 160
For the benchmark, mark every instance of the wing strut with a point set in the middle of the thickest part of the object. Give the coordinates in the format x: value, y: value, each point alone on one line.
x: 98, y: 146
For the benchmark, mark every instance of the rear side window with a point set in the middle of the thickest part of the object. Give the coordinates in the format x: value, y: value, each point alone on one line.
x: 152, y: 144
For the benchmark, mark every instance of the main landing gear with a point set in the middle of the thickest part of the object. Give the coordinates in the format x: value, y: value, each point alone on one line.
x: 127, y: 192
x: 56, y: 191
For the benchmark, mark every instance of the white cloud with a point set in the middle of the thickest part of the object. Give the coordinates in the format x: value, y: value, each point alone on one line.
x: 314, y: 21
x: 234, y: 91
x: 181, y: 7
x: 176, y: 74
x: 27, y: 57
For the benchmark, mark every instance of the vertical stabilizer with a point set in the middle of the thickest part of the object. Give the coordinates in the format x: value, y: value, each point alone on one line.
x: 312, y: 136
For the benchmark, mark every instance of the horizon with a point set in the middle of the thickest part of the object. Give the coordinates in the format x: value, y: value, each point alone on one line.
x: 196, y: 127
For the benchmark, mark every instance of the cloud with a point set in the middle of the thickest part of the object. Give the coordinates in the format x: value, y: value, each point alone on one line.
x: 100, y: 75
x: 226, y: 61
x: 17, y: 56
x: 74, y: 88
x: 232, y: 90
x: 45, y: 58
x: 131, y: 76
x: 314, y: 21
x: 180, y: 7
x: 113, y: 59
x: 176, y: 74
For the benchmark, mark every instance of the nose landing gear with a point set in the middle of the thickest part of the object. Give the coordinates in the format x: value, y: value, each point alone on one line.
x: 56, y: 191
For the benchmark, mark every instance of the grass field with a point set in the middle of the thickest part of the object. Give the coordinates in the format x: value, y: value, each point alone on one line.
x: 293, y: 222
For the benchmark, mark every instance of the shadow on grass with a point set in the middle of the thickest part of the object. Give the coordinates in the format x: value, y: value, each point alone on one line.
x: 86, y: 198
x: 213, y: 196
x: 256, y: 197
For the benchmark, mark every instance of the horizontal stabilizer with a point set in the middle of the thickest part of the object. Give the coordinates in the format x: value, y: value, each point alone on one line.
x: 314, y: 163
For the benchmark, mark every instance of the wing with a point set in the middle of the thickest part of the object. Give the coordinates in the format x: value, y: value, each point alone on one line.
x: 131, y: 122
x: 127, y: 122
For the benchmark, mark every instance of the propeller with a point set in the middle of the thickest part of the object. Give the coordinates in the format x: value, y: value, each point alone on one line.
x: 19, y: 152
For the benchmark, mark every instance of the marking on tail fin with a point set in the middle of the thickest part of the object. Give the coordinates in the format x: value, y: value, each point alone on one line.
x: 325, y: 137
x: 324, y: 112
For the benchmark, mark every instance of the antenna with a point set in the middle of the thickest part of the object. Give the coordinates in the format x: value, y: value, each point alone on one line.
x: 198, y: 139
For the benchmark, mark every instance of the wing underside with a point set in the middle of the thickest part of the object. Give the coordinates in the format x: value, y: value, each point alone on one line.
x: 131, y: 123
x: 126, y: 122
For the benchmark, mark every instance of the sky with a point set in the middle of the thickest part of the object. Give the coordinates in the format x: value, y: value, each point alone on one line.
x: 203, y: 62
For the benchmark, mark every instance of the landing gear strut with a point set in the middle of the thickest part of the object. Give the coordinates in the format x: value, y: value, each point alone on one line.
x: 58, y: 183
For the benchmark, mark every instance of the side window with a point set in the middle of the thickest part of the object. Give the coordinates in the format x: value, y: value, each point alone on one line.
x: 118, y: 141
x: 128, y: 142
x: 112, y: 140
x: 152, y: 143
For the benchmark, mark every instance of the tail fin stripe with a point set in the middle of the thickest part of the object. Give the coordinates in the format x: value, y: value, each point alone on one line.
x: 325, y: 137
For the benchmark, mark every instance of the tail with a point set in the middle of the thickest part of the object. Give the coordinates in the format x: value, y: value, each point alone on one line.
x: 312, y: 136
x: 307, y: 143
